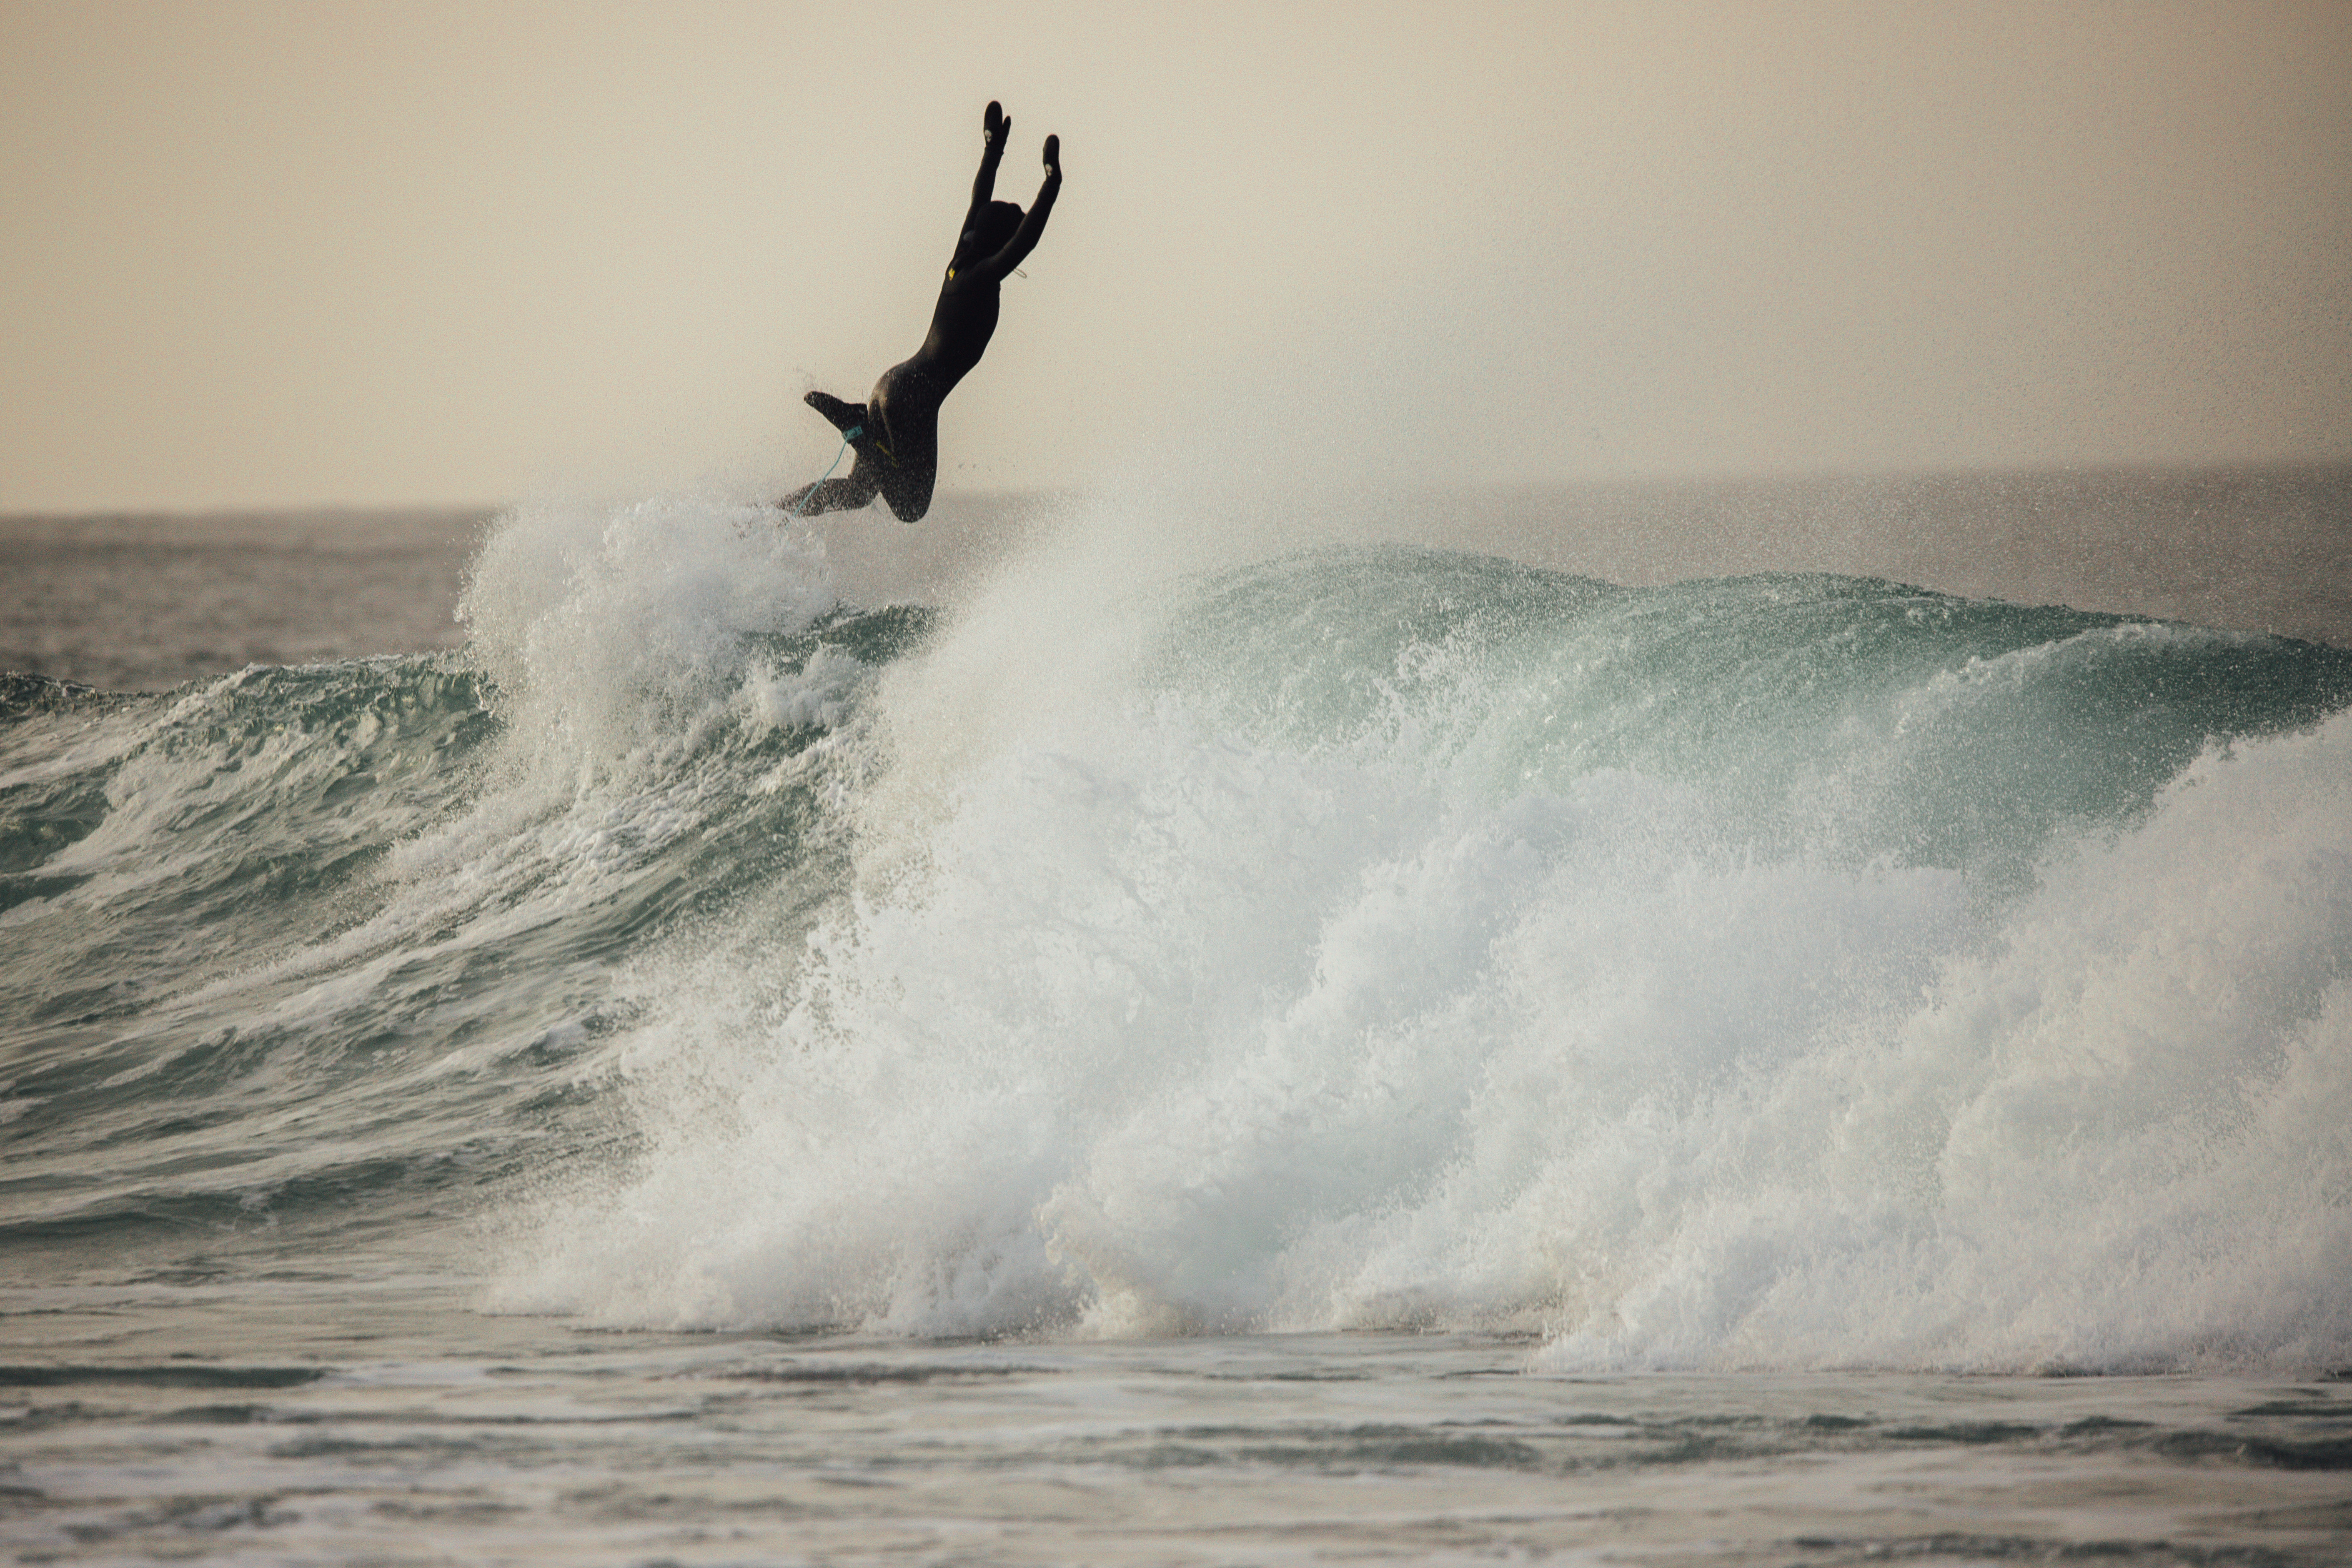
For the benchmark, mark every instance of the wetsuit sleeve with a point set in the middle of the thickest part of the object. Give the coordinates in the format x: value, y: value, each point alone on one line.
x: 1033, y: 226
x: 992, y: 153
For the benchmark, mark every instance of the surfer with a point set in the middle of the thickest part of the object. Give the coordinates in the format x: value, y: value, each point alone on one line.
x: 895, y: 431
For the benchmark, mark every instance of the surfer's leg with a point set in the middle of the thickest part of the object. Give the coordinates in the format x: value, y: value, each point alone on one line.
x: 844, y: 416
x: 908, y: 496
x: 847, y: 494
x: 859, y: 486
x: 904, y: 435
x: 915, y: 447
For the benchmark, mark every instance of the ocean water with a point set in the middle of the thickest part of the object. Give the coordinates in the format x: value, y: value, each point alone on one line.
x: 145, y: 604
x: 1191, y: 1044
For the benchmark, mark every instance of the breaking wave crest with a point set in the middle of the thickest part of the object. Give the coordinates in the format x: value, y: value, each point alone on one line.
x: 1765, y: 971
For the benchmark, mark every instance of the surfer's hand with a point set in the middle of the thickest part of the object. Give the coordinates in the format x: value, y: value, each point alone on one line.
x: 994, y: 126
x: 1054, y: 156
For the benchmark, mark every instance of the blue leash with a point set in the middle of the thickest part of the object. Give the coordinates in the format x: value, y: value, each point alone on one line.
x: 852, y: 434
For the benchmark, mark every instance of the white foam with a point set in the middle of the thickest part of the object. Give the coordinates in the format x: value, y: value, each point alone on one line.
x: 1138, y: 1024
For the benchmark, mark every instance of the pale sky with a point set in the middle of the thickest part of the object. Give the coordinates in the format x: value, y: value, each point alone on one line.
x: 264, y: 254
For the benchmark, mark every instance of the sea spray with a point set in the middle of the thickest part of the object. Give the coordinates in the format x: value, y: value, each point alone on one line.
x: 1767, y: 972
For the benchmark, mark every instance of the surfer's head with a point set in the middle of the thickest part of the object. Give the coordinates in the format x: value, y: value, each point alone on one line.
x: 992, y: 233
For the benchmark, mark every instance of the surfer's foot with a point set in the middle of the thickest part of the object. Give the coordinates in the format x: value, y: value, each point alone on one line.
x: 844, y: 416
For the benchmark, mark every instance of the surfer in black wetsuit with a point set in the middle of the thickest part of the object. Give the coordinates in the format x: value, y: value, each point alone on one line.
x: 895, y: 431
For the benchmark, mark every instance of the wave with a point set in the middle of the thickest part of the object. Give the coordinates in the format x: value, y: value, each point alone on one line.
x: 1771, y: 970
x: 1774, y: 971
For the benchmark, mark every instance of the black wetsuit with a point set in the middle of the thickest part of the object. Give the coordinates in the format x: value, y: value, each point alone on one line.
x: 898, y: 444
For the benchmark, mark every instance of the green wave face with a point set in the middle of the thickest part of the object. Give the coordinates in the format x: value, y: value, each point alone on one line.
x: 1848, y: 717
x: 286, y: 940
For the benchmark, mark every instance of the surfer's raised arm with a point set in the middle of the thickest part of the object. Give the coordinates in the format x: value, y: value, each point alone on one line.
x: 994, y: 127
